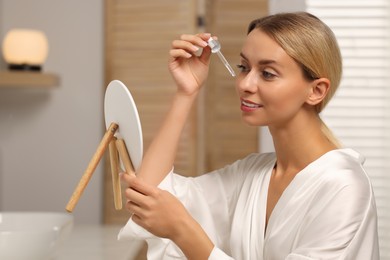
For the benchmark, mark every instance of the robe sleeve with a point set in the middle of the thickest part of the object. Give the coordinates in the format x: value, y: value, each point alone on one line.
x: 158, y: 248
x: 210, y: 199
x: 342, y: 223
x: 298, y: 257
x: 207, y: 198
x: 218, y: 254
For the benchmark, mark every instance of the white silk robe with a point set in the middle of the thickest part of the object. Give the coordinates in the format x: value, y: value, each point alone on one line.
x: 327, y: 212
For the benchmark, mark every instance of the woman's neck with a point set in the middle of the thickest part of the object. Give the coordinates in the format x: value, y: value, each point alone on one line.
x: 299, y: 143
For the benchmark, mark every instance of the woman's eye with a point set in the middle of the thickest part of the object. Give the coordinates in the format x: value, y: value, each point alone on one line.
x: 268, y: 75
x: 242, y: 68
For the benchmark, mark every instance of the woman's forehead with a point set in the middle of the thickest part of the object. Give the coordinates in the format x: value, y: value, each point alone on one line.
x: 259, y: 47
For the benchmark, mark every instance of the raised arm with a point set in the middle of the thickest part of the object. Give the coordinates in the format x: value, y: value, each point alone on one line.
x: 156, y: 210
x: 189, y: 72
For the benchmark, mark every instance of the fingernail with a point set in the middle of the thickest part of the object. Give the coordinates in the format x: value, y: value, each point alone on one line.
x: 195, y: 48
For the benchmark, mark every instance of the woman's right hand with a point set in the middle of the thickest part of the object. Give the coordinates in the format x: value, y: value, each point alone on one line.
x: 188, y: 70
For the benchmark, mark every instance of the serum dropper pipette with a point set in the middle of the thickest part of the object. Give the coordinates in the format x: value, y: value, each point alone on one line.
x: 216, y: 48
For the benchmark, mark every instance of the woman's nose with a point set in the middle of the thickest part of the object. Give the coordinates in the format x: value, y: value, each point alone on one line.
x: 247, y: 82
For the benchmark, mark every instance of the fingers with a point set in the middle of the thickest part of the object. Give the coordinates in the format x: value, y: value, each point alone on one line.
x: 138, y: 193
x: 188, y: 45
x: 138, y: 184
x: 205, y: 56
x: 135, y: 199
x: 135, y: 196
x: 198, y: 39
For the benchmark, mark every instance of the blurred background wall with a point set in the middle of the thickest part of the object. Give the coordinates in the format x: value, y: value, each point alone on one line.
x: 47, y: 136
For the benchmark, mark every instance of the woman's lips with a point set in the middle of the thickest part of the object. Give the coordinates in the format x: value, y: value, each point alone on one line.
x: 249, y: 106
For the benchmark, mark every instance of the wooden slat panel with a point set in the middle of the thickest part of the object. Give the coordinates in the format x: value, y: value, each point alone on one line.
x: 228, y: 139
x: 138, y: 38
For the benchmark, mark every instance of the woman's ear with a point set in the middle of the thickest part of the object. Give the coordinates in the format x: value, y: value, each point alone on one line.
x: 318, y: 91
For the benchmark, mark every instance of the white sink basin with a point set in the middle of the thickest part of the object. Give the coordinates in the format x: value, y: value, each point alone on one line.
x: 33, y: 235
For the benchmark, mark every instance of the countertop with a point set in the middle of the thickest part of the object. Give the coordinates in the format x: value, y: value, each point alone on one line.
x: 98, y: 242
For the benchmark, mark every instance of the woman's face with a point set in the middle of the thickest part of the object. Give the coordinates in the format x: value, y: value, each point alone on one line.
x: 271, y: 85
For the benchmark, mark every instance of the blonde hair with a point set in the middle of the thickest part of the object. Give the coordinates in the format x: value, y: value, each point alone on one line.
x: 312, y: 44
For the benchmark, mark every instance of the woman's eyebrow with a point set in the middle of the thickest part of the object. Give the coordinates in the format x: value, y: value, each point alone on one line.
x: 263, y: 62
x: 243, y: 56
x: 267, y: 62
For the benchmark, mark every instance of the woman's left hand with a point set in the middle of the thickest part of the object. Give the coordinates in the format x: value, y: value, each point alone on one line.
x: 156, y: 210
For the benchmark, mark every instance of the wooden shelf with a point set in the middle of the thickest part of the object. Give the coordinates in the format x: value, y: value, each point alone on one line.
x: 28, y: 79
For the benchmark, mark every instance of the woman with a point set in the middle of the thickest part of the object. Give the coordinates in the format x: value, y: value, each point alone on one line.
x: 311, y: 199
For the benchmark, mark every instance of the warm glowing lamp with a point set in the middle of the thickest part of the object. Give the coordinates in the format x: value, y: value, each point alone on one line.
x: 25, y: 49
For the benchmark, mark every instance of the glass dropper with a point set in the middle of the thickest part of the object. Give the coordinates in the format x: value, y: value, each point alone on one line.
x: 216, y: 48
